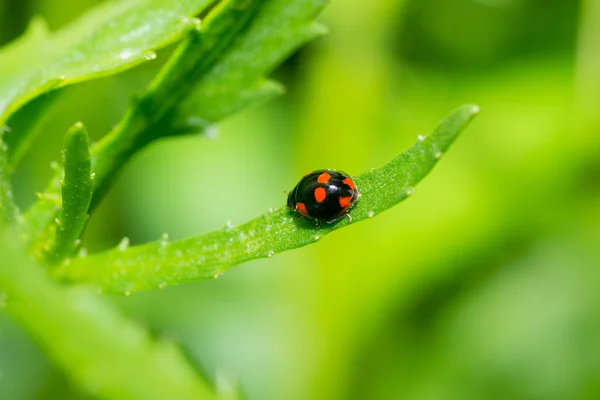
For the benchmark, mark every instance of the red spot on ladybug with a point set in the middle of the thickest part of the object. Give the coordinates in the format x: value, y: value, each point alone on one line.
x: 345, y: 201
x: 320, y: 194
x: 324, y: 178
x: 301, y: 208
x: 323, y: 195
x: 348, y: 181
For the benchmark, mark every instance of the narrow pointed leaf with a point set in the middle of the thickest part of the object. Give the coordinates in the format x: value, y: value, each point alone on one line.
x: 76, y: 196
x: 156, y: 265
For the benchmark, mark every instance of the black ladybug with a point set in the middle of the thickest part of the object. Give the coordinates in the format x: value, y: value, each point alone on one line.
x: 324, y: 195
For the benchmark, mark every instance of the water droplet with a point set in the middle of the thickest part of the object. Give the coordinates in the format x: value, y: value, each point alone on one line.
x: 178, y: 253
x: 164, y: 240
x: 6, y: 128
x: 93, y: 175
x: 77, y: 242
x: 271, y: 209
x: 162, y: 285
x: 317, y: 237
x: 54, y: 165
x: 438, y: 154
x: 270, y: 254
x: 57, y: 221
x: 371, y: 214
x: 421, y: 138
x: 128, y: 293
x: 150, y: 55
x: 125, y: 54
x: 83, y: 252
x: 124, y: 244
x: 409, y: 191
x: 229, y: 224
x: 372, y: 169
x: 216, y: 276
x: 4, y: 148
x: 475, y: 109
x: 211, y: 132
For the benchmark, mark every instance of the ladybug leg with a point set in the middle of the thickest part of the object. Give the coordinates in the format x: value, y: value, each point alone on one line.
x: 317, y: 223
x: 349, y: 217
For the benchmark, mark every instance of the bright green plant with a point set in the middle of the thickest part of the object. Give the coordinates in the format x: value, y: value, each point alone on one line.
x: 218, y: 67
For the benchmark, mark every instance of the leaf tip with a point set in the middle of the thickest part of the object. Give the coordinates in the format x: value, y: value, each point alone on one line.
x: 474, y: 108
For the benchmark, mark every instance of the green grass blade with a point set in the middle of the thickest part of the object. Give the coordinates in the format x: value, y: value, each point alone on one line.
x: 159, y: 264
x: 99, y: 349
x: 76, y: 196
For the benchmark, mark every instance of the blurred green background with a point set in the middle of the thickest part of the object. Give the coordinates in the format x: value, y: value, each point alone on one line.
x: 484, y: 285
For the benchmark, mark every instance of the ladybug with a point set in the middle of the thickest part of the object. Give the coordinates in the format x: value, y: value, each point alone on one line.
x: 324, y: 195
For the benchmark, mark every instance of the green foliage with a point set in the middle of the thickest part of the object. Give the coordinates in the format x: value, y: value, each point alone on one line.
x: 217, y: 68
x: 105, y: 354
x: 76, y: 196
x: 112, y: 37
x: 8, y: 209
x: 126, y: 269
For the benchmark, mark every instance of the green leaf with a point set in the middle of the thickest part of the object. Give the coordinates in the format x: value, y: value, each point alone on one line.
x: 147, y: 118
x: 76, y: 196
x: 213, y: 74
x: 103, y: 352
x: 155, y: 265
x: 240, y: 42
x: 8, y: 208
x: 238, y: 80
x: 112, y: 37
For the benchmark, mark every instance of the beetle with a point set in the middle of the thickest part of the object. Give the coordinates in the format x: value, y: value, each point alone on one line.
x: 324, y: 195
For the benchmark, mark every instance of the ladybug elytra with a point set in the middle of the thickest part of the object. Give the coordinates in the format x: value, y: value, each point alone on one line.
x: 323, y: 195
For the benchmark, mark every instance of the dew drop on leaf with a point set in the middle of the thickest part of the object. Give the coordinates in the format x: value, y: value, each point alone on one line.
x: 125, y: 54
x: 164, y: 240
x: 150, y: 55
x: 124, y: 244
